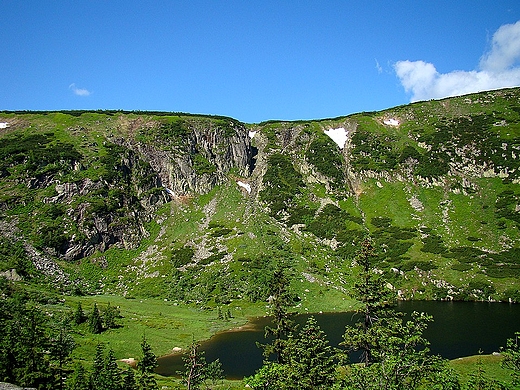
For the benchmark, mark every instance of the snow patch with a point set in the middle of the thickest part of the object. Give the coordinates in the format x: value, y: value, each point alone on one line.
x: 169, y: 191
x: 252, y: 134
x: 338, y: 135
x: 247, y: 186
x: 392, y: 122
x: 4, y: 125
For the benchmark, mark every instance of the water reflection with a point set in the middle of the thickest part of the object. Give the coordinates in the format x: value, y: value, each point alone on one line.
x: 459, y: 329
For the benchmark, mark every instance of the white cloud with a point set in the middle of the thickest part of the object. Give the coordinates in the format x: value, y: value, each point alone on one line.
x: 379, y: 67
x: 499, y: 68
x: 79, y: 91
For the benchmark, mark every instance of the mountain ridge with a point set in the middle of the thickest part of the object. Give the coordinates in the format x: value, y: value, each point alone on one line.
x: 195, y: 208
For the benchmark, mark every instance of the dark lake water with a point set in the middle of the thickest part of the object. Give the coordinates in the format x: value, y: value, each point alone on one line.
x: 459, y: 329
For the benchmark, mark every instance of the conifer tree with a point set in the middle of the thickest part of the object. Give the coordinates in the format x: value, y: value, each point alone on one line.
x: 395, y: 354
x: 113, y: 378
x: 129, y: 379
x: 79, y: 315
x: 280, y: 301
x: 146, y: 367
x: 95, y: 322
x: 311, y: 359
x: 97, y: 375
x: 60, y: 348
x: 79, y: 379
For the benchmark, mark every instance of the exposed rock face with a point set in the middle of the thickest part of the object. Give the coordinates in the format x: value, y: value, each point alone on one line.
x: 223, y: 150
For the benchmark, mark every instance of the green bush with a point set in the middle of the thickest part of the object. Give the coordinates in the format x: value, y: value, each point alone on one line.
x: 323, y: 153
x: 181, y: 256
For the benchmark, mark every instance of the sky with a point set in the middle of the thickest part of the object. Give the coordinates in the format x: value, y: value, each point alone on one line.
x: 253, y: 60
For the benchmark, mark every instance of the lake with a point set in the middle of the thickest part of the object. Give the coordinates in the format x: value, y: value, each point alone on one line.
x: 459, y: 329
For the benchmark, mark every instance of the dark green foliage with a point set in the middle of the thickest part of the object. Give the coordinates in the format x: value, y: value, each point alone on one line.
x: 37, y: 153
x: 279, y: 303
x: 13, y: 256
x: 146, y: 368
x: 198, y: 372
x: 481, y: 288
x: 34, y: 349
x: 79, y: 315
x: 181, y: 256
x: 202, y: 166
x: 301, y: 214
x: 395, y: 352
x: 323, y: 153
x: 381, y: 222
x: 505, y: 206
x: 79, y: 379
x: 221, y: 231
x: 173, y: 130
x: 409, y: 152
x: 281, y: 184
x: 110, y: 316
x: 61, y: 346
x: 512, y: 357
x: 462, y: 267
x: 95, y: 322
x: 331, y: 222
x: 311, y: 359
x: 372, y: 151
x: 129, y: 380
x: 433, y: 244
x: 433, y: 164
x: 423, y: 265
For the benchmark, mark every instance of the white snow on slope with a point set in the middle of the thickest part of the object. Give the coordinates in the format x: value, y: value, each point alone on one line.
x: 338, y: 135
x: 391, y: 122
x: 4, y: 125
x: 252, y: 134
x: 247, y: 186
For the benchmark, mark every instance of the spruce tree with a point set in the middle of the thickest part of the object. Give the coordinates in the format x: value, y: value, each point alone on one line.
x: 311, y: 359
x: 97, y: 375
x: 79, y: 379
x: 61, y: 346
x: 280, y: 301
x: 129, y: 379
x: 146, y: 367
x: 113, y: 378
x: 95, y: 322
x: 395, y: 354
x: 79, y: 315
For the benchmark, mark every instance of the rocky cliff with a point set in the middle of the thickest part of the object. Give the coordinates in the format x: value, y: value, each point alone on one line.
x: 435, y: 184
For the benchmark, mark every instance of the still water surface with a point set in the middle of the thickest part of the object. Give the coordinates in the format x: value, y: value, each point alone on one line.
x: 459, y: 329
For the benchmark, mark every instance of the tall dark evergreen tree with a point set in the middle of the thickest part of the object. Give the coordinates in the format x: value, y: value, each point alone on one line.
x: 79, y: 315
x: 112, y: 373
x: 129, y: 379
x: 283, y: 325
x: 79, y: 380
x: 60, y: 348
x: 95, y: 322
x: 311, y: 360
x: 395, y: 354
x: 146, y: 367
x: 97, y: 375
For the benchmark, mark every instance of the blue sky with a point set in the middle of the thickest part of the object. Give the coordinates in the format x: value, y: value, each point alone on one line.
x: 252, y: 60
